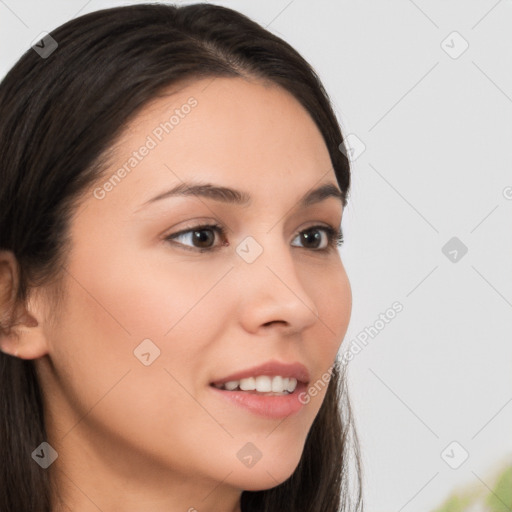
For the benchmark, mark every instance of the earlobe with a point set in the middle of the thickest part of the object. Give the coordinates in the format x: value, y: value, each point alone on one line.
x: 21, y: 335
x: 26, y: 338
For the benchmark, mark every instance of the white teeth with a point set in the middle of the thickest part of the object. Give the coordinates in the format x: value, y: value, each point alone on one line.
x: 248, y: 384
x: 277, y: 384
x: 292, y: 384
x: 262, y: 384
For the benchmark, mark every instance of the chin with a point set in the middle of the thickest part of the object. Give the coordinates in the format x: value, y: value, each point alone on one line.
x: 263, y: 476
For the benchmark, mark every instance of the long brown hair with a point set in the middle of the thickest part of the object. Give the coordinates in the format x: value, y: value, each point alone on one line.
x: 60, y: 114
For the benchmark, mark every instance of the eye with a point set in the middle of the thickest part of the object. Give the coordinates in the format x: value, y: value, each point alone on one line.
x: 202, y: 238
x: 199, y: 237
x: 313, y: 236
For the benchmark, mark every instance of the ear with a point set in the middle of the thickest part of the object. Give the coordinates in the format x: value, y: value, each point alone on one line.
x: 21, y: 328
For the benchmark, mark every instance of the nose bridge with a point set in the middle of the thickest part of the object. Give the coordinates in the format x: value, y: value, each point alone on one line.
x: 273, y: 290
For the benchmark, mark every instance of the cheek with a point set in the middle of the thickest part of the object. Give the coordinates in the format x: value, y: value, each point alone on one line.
x: 340, y: 307
x: 175, y: 306
x: 120, y: 307
x: 147, y: 297
x: 332, y: 294
x: 109, y: 388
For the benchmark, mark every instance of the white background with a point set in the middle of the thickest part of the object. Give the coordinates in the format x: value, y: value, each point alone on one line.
x: 437, y: 162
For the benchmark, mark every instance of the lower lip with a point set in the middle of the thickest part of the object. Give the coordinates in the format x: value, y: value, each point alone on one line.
x: 274, y: 407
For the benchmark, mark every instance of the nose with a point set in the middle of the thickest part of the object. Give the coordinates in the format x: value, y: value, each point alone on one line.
x: 274, y: 293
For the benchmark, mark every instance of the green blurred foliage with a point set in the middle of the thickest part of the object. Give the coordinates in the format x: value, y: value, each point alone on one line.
x: 479, y: 498
x: 500, y: 500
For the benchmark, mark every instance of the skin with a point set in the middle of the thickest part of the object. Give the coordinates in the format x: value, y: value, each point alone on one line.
x: 132, y: 437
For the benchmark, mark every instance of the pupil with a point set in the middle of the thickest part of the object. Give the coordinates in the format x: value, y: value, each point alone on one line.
x: 316, y: 236
x: 199, y: 237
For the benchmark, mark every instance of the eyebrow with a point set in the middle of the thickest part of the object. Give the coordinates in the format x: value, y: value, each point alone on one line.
x: 241, y: 198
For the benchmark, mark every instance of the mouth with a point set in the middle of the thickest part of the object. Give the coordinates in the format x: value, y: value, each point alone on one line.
x: 269, y: 404
x: 273, y: 389
x: 270, y: 377
x: 261, y: 385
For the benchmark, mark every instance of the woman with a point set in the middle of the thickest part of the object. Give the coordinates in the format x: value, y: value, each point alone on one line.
x: 146, y: 366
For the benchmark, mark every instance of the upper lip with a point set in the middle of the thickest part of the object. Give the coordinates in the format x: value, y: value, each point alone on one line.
x: 295, y: 370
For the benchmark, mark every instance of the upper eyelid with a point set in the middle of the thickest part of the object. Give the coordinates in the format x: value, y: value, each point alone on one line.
x: 221, y: 227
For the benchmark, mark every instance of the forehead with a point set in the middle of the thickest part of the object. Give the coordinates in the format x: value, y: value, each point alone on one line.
x: 227, y: 119
x: 246, y: 134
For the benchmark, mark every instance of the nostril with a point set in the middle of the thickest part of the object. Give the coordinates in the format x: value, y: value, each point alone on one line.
x: 275, y: 321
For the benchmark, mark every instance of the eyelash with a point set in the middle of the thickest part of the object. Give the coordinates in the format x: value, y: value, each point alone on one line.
x: 334, y: 237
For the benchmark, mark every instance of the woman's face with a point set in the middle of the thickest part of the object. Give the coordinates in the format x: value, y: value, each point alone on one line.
x: 149, y: 323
